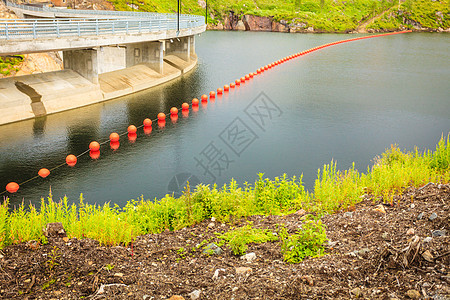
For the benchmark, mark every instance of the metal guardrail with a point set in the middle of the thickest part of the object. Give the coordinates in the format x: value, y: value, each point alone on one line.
x: 133, y: 23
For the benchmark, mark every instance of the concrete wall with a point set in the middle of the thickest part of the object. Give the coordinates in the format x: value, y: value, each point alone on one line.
x: 180, y: 47
x: 111, y: 59
x: 147, y: 52
x: 84, y: 62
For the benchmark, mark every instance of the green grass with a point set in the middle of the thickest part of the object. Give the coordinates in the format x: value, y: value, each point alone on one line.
x: 334, y: 190
x: 10, y: 64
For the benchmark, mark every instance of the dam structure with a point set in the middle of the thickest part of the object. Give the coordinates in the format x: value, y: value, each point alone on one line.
x: 106, y: 54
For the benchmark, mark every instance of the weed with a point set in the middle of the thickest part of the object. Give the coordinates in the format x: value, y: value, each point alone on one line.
x: 109, y: 267
x: 55, y: 254
x: 307, y: 242
x: 239, y: 238
x: 48, y: 283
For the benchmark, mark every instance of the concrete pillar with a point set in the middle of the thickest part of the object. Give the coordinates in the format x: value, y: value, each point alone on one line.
x: 192, y: 48
x: 84, y: 62
x: 179, y: 47
x: 151, y: 53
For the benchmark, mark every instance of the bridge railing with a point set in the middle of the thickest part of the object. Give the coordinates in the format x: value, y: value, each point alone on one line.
x: 96, y: 12
x: 106, y: 22
x: 42, y: 29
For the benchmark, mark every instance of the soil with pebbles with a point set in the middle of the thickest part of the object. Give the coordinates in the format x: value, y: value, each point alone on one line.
x: 371, y: 254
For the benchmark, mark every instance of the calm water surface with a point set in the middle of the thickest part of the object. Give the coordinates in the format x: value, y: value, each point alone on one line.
x: 347, y: 103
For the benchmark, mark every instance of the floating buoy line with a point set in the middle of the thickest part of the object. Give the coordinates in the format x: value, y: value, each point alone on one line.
x: 114, y: 138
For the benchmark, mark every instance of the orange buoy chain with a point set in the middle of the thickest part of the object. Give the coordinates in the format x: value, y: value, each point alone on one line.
x: 94, y: 146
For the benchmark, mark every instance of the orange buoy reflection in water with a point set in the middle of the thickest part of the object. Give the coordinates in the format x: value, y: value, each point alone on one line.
x: 174, y: 118
x: 132, y: 137
x: 12, y: 187
x: 43, y: 172
x: 114, y: 145
x: 148, y: 130
x: 185, y: 113
x: 161, y: 123
x: 195, y: 108
x: 71, y: 160
x: 94, y: 154
x: 114, y: 137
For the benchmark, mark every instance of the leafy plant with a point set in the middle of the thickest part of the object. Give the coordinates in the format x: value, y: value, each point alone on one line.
x: 307, y: 242
x: 52, y: 258
x: 239, y: 238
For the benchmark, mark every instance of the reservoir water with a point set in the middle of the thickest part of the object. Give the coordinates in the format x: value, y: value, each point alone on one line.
x: 346, y: 103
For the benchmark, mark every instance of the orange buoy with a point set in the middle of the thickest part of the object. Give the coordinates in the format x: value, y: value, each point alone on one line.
x: 195, y: 102
x: 266, y: 67
x: 94, y: 146
x: 226, y: 87
x: 71, y: 160
x: 212, y: 94
x: 147, y: 122
x: 162, y: 123
x: 247, y: 77
x: 219, y: 91
x: 115, y: 144
x: 174, y: 111
x: 43, y: 172
x: 258, y: 71
x: 242, y: 79
x: 132, y: 129
x: 114, y: 137
x: 251, y: 75
x: 232, y: 85
x: 132, y: 137
x: 12, y: 187
x: 204, y: 97
x: 94, y: 154
x: 184, y: 106
x: 148, y: 130
x: 161, y: 116
x: 237, y: 81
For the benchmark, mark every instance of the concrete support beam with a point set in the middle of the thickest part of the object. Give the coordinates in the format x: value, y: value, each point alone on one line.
x: 84, y: 62
x: 180, y: 47
x: 150, y: 53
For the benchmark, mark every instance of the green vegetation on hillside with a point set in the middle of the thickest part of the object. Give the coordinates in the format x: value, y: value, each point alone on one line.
x: 415, y: 13
x: 334, y: 190
x: 9, y: 64
x: 322, y: 15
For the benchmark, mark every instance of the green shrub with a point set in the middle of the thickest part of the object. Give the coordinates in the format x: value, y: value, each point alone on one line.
x: 307, y: 242
x: 239, y: 238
